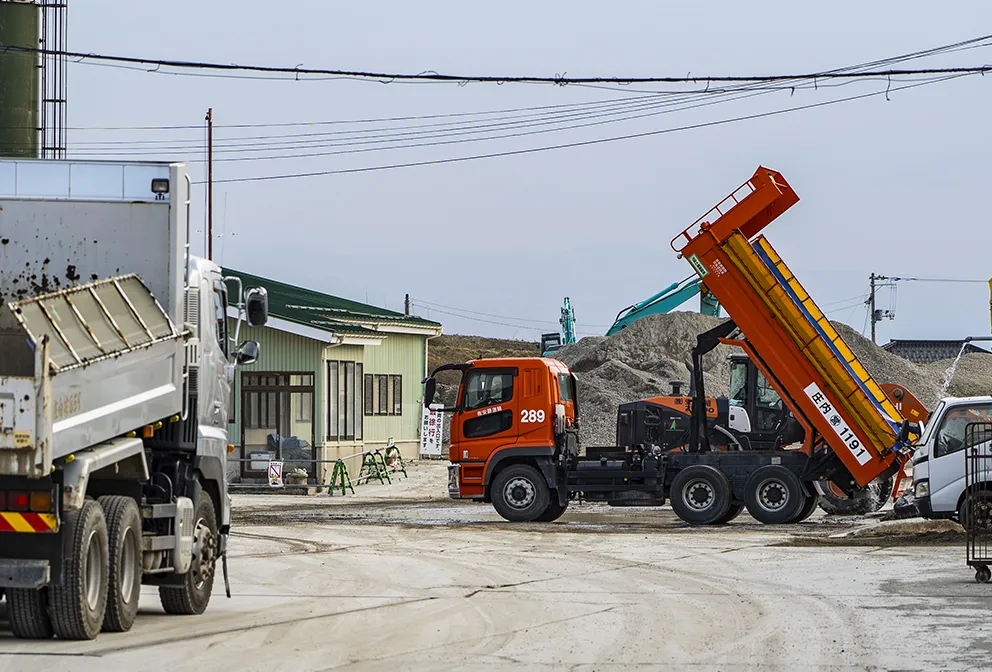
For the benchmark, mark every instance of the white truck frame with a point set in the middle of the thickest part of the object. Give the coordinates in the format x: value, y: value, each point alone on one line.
x: 115, y: 383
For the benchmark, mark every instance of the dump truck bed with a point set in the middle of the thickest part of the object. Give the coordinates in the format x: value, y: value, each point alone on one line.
x: 823, y: 379
x: 91, y: 305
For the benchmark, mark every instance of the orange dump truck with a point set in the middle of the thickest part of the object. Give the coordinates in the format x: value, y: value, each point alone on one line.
x: 515, y: 436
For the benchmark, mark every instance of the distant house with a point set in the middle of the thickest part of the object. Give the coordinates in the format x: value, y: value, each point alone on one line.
x: 335, y: 377
x: 925, y: 352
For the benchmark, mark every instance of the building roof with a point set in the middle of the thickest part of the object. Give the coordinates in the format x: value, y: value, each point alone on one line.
x: 927, y: 351
x: 333, y: 314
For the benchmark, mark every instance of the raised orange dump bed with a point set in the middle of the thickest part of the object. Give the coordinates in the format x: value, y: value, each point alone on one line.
x: 822, y: 378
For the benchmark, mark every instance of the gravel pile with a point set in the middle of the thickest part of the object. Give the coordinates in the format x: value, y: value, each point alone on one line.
x: 972, y: 377
x: 641, y: 361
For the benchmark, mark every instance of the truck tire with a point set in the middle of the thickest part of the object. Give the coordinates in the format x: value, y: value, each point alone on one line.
x: 808, y: 508
x: 124, y: 584
x: 732, y: 512
x: 191, y: 598
x: 27, y: 611
x: 975, y: 511
x: 554, y: 510
x: 520, y: 493
x: 868, y: 499
x: 700, y: 495
x: 774, y: 495
x: 79, y: 601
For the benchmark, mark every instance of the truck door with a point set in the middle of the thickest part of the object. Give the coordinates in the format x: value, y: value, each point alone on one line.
x: 947, y: 456
x: 486, y: 412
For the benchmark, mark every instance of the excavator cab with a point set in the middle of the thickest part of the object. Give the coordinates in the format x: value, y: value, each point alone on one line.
x: 767, y: 421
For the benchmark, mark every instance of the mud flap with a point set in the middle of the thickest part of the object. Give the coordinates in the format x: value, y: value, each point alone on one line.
x: 227, y: 581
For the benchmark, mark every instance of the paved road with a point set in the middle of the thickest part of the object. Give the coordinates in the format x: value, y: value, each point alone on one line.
x: 439, y: 586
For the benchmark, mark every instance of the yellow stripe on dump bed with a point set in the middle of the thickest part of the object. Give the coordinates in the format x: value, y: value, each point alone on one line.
x: 836, y: 376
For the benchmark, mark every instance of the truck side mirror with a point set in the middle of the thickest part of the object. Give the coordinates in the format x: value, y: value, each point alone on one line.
x: 257, y: 306
x: 247, y: 353
x: 430, y: 389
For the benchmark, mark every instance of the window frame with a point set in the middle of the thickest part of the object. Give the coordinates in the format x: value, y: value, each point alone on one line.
x: 510, y: 371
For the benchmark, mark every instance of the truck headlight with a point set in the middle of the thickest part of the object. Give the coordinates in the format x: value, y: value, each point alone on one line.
x: 921, y: 489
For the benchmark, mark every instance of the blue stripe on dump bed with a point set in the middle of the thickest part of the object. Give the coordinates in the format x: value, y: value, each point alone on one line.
x: 795, y: 299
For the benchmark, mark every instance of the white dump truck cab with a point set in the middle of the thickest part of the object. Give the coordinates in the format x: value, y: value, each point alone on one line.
x: 939, y: 486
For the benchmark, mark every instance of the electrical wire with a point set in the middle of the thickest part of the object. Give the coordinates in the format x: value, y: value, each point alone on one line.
x: 433, y: 76
x: 432, y: 305
x: 581, y: 143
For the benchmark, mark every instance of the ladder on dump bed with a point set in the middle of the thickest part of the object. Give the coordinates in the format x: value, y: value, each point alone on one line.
x: 822, y: 379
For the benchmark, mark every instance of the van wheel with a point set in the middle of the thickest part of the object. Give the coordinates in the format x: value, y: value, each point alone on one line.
x: 554, y: 510
x: 79, y: 601
x: 520, y: 493
x: 774, y: 495
x: 124, y: 586
x: 27, y: 610
x: 193, y: 595
x: 700, y: 495
x: 975, y: 511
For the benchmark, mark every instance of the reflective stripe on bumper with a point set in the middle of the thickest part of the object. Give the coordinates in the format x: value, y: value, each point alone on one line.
x: 28, y: 522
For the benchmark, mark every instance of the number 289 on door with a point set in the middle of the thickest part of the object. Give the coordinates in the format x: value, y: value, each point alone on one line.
x: 531, y: 415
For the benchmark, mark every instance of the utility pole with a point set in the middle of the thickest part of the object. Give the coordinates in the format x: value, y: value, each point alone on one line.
x: 210, y: 183
x: 406, y: 305
x: 871, y: 307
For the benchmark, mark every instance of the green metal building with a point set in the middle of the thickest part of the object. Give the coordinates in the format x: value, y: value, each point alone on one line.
x: 335, y: 377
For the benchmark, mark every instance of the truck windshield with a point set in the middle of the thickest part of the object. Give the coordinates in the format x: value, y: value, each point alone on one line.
x: 485, y: 388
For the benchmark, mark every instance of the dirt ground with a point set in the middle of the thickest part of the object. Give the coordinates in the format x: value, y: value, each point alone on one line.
x: 401, y: 578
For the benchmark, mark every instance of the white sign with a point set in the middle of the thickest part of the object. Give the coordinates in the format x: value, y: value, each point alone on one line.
x: 431, y: 426
x: 837, y: 423
x: 275, y: 474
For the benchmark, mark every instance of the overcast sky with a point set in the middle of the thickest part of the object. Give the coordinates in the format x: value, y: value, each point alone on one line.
x: 892, y: 186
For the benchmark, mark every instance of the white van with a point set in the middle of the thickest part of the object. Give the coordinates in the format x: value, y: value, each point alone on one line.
x: 939, y: 461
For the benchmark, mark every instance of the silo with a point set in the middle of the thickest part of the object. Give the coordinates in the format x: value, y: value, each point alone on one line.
x: 19, y: 75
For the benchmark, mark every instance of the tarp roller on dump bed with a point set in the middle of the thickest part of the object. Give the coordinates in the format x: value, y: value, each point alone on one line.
x: 819, y: 372
x: 81, y: 366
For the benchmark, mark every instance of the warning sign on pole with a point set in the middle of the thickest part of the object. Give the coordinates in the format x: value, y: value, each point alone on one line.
x: 430, y: 432
x: 275, y: 474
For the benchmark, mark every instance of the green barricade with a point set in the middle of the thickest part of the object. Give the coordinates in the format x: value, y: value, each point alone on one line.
x: 340, y: 478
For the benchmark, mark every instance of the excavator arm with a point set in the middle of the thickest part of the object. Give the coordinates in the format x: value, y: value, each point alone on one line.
x: 666, y: 301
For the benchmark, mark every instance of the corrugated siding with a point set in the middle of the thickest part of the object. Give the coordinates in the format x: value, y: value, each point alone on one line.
x: 281, y: 352
x: 402, y: 354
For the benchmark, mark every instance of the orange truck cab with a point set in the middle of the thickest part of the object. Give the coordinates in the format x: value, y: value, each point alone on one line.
x: 514, y: 423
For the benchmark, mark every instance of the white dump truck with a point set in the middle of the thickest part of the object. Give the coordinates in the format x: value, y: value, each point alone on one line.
x: 116, y: 365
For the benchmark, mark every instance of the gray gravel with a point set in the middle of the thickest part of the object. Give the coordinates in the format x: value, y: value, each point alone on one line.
x: 641, y: 361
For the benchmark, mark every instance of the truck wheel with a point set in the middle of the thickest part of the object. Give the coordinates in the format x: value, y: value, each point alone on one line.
x: 27, y: 611
x: 808, y: 508
x: 732, y: 512
x: 520, y: 493
x: 700, y: 495
x: 868, y: 499
x: 774, y: 495
x: 193, y: 595
x: 124, y: 585
x: 554, y: 510
x: 975, y: 511
x: 79, y: 601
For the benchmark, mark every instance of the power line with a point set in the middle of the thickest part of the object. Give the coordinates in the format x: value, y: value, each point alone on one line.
x: 581, y: 143
x: 884, y: 277
x: 558, y: 79
x: 430, y: 304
